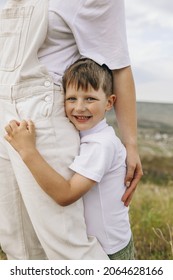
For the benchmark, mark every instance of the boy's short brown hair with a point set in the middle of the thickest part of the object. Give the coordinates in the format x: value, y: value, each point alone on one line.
x: 85, y: 73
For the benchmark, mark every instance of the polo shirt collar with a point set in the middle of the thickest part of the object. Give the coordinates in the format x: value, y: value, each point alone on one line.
x: 101, y: 125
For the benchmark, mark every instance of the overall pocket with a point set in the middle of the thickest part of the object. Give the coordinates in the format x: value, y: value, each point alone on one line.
x: 35, y: 107
x: 14, y: 26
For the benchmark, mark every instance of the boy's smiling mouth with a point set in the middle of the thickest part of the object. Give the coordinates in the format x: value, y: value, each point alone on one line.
x: 82, y: 118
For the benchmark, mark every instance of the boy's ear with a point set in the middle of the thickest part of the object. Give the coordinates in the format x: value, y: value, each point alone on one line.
x: 110, y: 102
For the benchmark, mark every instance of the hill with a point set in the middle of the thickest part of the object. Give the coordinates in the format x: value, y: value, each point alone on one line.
x: 156, y: 117
x: 155, y: 140
x: 155, y: 113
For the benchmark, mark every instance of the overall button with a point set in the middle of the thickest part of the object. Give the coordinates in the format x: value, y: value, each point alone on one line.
x: 47, y: 83
x: 48, y: 98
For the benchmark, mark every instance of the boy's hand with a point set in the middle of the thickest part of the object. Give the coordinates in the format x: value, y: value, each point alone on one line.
x: 21, y: 136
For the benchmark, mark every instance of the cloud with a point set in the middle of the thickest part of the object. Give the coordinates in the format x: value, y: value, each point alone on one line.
x: 150, y: 39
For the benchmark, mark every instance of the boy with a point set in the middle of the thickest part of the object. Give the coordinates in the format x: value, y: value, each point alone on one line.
x: 99, y: 168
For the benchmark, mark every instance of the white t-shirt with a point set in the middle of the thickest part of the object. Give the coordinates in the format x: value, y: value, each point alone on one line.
x: 102, y: 159
x: 89, y: 28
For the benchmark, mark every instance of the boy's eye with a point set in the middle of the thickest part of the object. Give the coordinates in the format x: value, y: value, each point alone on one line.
x: 90, y: 98
x: 72, y: 99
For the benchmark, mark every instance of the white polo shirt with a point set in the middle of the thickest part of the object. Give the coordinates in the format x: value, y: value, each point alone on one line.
x: 89, y: 28
x: 102, y: 159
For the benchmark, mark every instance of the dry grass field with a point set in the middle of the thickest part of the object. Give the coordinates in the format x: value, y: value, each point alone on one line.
x: 152, y: 222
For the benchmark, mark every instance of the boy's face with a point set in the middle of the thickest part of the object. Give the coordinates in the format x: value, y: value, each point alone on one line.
x: 85, y: 109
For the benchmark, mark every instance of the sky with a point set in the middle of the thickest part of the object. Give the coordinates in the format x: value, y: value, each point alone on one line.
x: 2, y: 2
x: 149, y: 26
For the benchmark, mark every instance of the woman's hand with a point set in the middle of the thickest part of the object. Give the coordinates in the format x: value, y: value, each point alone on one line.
x: 133, y: 175
x: 21, y: 136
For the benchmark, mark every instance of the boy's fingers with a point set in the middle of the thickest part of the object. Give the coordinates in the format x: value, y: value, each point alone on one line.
x: 31, y: 126
x: 8, y: 129
x: 30, y: 123
x: 7, y: 138
x: 24, y: 124
x: 13, y: 125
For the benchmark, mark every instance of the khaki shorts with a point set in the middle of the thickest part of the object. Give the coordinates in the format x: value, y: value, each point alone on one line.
x: 126, y: 253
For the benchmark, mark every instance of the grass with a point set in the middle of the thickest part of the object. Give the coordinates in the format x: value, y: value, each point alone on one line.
x: 152, y: 222
x: 158, y: 170
x: 2, y: 255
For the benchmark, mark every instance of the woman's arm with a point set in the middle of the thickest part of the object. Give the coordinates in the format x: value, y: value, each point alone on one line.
x: 125, y: 108
x: 22, y: 138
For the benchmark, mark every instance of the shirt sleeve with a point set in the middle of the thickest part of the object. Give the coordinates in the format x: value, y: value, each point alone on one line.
x: 100, y: 32
x: 94, y: 160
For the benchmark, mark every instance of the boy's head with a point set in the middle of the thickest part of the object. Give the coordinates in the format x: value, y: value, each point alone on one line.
x: 86, y: 73
x: 88, y: 91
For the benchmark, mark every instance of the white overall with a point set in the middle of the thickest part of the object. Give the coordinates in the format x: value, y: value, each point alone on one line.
x: 32, y: 225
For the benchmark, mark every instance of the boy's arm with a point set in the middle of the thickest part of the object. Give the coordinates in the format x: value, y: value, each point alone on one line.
x: 125, y: 107
x: 22, y: 138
